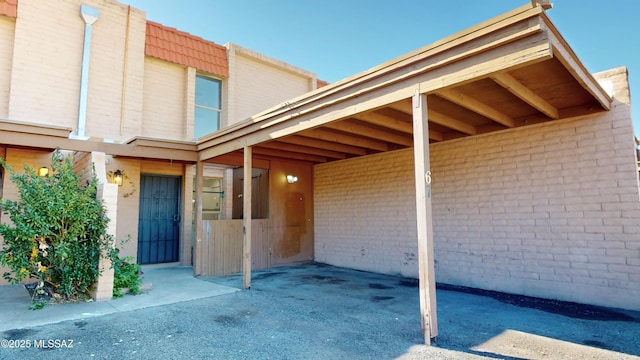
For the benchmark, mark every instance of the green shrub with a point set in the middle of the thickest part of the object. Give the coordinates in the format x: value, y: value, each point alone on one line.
x: 126, y: 274
x: 58, y: 230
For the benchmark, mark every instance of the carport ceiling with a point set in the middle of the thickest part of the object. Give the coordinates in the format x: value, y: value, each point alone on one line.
x: 538, y: 93
x: 550, y: 84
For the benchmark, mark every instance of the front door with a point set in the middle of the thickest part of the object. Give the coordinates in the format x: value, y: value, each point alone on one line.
x: 159, y: 219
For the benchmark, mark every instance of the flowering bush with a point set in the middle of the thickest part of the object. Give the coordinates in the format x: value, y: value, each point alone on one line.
x: 58, y: 230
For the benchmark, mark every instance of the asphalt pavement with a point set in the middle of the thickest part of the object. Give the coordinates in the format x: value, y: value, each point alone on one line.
x: 316, y: 311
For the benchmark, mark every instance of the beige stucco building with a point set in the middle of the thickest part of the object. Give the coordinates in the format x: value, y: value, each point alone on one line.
x: 490, y: 159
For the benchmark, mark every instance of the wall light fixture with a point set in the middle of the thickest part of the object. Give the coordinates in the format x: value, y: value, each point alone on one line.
x: 117, y: 177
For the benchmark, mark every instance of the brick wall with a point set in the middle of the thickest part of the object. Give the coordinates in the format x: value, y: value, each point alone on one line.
x: 549, y: 210
x: 365, y: 214
x: 257, y: 82
x: 128, y: 207
x: 82, y: 165
x: 16, y: 159
x: 164, y: 100
x: 45, y: 77
x: 7, y: 26
x: 49, y: 55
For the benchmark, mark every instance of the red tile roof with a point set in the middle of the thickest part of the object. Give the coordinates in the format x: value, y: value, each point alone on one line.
x: 321, y: 83
x: 9, y: 8
x: 182, y: 48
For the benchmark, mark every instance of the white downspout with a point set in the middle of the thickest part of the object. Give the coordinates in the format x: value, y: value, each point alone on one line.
x: 90, y: 16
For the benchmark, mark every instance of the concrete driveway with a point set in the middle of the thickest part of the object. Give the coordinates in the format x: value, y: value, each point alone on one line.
x: 316, y: 311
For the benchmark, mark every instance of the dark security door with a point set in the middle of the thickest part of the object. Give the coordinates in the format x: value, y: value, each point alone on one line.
x: 159, y: 219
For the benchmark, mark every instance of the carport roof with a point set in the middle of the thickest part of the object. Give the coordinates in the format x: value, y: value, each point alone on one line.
x: 513, y: 70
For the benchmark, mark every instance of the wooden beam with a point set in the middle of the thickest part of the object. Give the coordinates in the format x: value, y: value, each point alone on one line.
x: 322, y: 144
x: 386, y: 121
x: 199, y: 261
x: 342, y: 138
x: 435, y: 135
x: 246, y: 218
x: 278, y: 145
x: 33, y: 128
x: 396, y: 124
x: 545, y: 4
x: 125, y: 150
x: 259, y: 150
x: 437, y: 118
x: 360, y: 129
x: 563, y: 52
x: 525, y: 94
x: 475, y: 105
x: 236, y: 158
x: 452, y: 123
x: 162, y: 143
x: 422, y: 171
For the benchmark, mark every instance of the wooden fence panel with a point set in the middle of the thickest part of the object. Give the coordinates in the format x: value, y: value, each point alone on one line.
x: 224, y: 238
x: 260, y: 247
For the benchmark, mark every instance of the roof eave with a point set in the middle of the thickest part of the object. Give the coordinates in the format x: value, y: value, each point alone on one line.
x: 563, y: 52
x: 525, y: 23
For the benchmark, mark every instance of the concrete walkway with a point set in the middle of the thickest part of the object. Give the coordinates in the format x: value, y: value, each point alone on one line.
x: 170, y: 285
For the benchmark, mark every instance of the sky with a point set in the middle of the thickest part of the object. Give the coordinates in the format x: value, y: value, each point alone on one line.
x: 339, y: 38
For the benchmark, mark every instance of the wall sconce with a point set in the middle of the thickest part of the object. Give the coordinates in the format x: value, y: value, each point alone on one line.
x: 43, y: 171
x: 292, y: 179
x: 117, y: 177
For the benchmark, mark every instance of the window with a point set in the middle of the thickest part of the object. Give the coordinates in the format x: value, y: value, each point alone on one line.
x: 212, y: 196
x: 208, y: 107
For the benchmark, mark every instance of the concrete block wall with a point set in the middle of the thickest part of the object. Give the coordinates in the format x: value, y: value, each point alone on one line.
x: 365, y: 214
x: 257, y: 82
x: 48, y: 52
x: 41, y: 48
x: 549, y: 210
x: 114, y: 103
x: 164, y: 109
x: 128, y: 207
x: 82, y: 165
x: 7, y: 26
x: 16, y: 159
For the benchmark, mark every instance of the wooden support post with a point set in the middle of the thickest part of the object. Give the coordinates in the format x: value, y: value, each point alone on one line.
x: 427, y: 281
x: 246, y: 219
x: 199, y: 261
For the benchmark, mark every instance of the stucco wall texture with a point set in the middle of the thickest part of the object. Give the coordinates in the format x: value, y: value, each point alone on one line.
x: 549, y: 210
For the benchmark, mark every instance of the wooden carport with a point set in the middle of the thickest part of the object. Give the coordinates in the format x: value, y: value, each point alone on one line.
x: 511, y: 71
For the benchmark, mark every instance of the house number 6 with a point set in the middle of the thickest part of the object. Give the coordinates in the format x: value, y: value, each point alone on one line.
x: 427, y: 177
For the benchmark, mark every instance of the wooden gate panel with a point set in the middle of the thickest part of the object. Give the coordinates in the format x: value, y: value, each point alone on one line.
x: 224, y: 239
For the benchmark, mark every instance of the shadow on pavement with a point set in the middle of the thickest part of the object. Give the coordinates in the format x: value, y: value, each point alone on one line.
x: 482, y: 323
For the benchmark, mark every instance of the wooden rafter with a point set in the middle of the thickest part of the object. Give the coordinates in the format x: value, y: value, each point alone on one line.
x: 386, y: 121
x: 525, y: 94
x: 395, y: 124
x: 454, y: 124
x: 288, y: 155
x: 476, y: 105
x: 322, y: 144
x: 563, y: 52
x: 370, y: 131
x: 338, y: 137
x: 438, y: 118
x: 277, y: 145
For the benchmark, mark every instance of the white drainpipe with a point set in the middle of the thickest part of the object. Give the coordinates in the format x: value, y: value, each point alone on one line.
x: 90, y: 16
